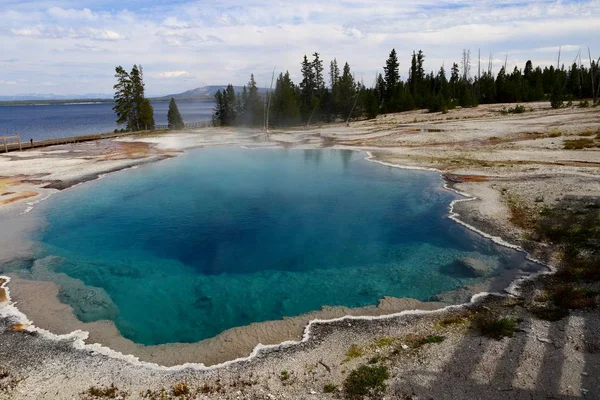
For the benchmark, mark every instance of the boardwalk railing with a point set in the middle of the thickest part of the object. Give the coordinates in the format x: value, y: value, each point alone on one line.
x: 7, y: 139
x: 202, y: 124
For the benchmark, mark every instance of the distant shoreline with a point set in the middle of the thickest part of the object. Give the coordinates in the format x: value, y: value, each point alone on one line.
x: 85, y: 101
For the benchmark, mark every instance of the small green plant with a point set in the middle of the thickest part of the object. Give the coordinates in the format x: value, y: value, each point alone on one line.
x: 587, y: 132
x: 495, y: 327
x: 518, y: 109
x: 374, y: 359
x: 418, y: 341
x: 329, y: 388
x: 284, y: 375
x: 180, y: 389
x: 105, y: 392
x: 383, y: 342
x: 452, y: 320
x: 354, y: 352
x: 584, y: 104
x: 366, y: 380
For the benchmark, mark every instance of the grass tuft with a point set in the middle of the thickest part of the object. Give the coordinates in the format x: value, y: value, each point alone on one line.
x: 329, y: 388
x: 180, y: 389
x: 578, y: 144
x: 105, y: 392
x: 353, y: 352
x: 495, y: 327
x: 418, y: 341
x: 383, y: 342
x: 366, y: 381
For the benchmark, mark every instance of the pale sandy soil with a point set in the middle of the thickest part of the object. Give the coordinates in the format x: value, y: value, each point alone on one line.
x: 514, y: 158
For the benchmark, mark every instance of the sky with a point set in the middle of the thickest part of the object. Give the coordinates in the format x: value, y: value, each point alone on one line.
x: 72, y: 47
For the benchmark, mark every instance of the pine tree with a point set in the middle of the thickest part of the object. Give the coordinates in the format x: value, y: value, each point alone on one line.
x: 347, y: 90
x: 285, y: 111
x: 253, y: 107
x: 220, y: 111
x: 131, y: 107
x: 231, y: 106
x: 307, y: 89
x: 146, y: 115
x: 334, y: 78
x: 392, y: 74
x: 123, y: 97
x: 317, y: 65
x: 174, y: 117
x: 454, y: 79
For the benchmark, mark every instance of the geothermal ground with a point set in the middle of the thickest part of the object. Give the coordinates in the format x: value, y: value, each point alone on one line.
x: 515, y: 165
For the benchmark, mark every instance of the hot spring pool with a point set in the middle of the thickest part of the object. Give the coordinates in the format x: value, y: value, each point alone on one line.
x: 184, y: 249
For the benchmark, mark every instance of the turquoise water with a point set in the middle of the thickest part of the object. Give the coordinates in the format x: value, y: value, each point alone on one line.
x: 181, y: 250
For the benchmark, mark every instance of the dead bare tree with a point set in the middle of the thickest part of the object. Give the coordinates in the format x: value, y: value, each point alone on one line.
x: 269, y: 96
x: 479, y: 73
x: 593, y: 75
x: 466, y: 65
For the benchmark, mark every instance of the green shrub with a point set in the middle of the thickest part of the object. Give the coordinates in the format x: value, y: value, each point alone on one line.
x: 284, y: 375
x: 495, y: 327
x: 366, y: 381
x: 374, y: 359
x: 418, y: 341
x: 518, y: 109
x: 578, y: 144
x: 108, y: 392
x: 329, y: 388
x: 584, y: 104
x: 570, y: 298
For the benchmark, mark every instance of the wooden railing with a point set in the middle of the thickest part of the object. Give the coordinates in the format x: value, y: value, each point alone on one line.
x: 6, y: 140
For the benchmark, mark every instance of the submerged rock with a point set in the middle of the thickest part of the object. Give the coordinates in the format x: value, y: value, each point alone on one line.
x: 474, y: 267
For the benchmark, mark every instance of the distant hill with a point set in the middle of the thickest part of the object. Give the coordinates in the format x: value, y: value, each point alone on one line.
x: 203, y: 93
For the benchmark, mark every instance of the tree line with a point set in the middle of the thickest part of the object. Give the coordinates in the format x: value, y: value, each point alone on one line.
x: 314, y: 100
x: 132, y: 108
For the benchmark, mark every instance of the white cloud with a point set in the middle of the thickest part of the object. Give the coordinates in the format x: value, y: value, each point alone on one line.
x: 59, y: 32
x: 194, y: 42
x: 72, y: 13
x: 173, y: 74
x: 174, y: 23
x: 554, y: 49
x: 2, y: 82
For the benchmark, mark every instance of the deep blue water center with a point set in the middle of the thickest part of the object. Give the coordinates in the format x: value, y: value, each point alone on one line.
x: 223, y: 237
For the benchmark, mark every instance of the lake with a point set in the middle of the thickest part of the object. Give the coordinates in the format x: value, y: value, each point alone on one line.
x: 39, y: 122
x: 183, y: 249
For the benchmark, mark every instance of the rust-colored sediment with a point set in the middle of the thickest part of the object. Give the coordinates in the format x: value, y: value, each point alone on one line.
x: 22, y: 195
x: 17, y: 328
x: 466, y: 178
